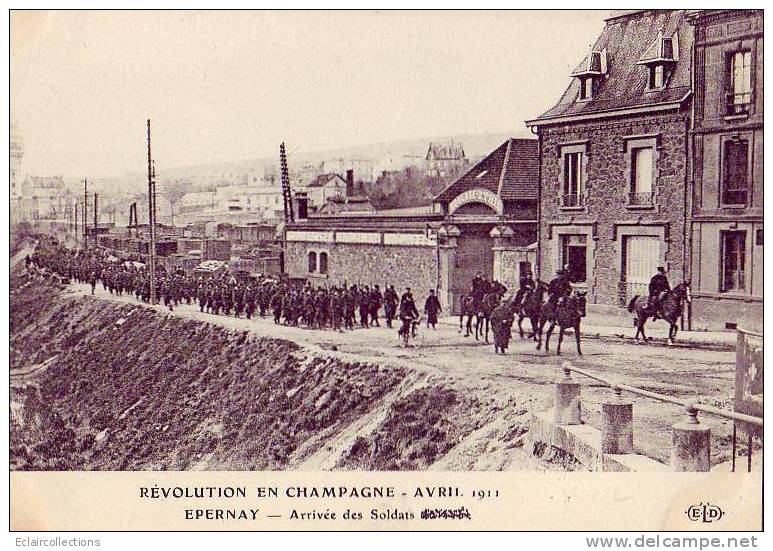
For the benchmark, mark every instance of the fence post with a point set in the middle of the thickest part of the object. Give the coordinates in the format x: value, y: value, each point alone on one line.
x: 617, y: 424
x: 567, y: 409
x: 691, y: 451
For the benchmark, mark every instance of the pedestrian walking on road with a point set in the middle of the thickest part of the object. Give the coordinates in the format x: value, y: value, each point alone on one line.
x: 432, y: 308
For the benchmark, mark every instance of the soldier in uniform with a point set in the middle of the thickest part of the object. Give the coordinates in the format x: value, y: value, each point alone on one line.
x: 237, y: 296
x: 349, y: 301
x: 363, y: 301
x: 375, y: 305
x: 202, y: 296
x: 225, y: 298
x: 93, y: 280
x: 336, y: 309
x: 249, y: 300
x: 498, y: 288
x: 320, y: 302
x: 408, y: 311
x: 477, y: 285
x: 276, y: 304
x: 217, y: 297
x: 264, y: 298
x: 658, y: 285
x: 390, y: 304
x: 525, y: 284
x: 559, y: 288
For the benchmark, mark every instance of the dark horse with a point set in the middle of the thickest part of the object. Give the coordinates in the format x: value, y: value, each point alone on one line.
x: 530, y: 307
x: 567, y: 314
x: 670, y: 309
x: 470, y: 310
x: 484, y: 308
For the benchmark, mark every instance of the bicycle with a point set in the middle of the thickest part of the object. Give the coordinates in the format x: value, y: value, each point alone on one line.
x: 413, y: 334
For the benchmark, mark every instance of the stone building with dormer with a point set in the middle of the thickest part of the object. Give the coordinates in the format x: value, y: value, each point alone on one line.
x: 614, y: 161
x: 726, y: 211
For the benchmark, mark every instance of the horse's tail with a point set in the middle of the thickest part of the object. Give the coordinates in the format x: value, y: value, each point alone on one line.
x: 632, y: 303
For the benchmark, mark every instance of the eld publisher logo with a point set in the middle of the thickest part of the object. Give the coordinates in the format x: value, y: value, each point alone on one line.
x: 704, y: 512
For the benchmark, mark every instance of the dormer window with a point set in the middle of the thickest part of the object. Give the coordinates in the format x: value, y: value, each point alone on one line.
x: 586, y: 88
x: 657, y: 74
x: 667, y: 48
x: 590, y: 73
x: 660, y: 59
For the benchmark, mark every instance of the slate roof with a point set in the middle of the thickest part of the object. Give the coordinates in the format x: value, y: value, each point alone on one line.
x: 511, y: 171
x: 324, y: 179
x: 336, y: 205
x: 628, y: 39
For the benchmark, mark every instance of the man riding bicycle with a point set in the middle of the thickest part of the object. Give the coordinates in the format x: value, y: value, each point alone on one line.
x: 408, y: 313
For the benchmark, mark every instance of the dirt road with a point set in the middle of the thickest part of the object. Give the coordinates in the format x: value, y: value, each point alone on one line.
x: 704, y: 373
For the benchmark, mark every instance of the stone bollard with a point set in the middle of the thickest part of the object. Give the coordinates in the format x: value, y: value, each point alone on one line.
x: 566, y: 409
x: 617, y: 425
x: 691, y: 451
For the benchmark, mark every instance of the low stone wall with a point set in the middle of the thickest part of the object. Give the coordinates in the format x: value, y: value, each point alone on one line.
x: 583, y: 443
x: 712, y: 314
x: 368, y: 264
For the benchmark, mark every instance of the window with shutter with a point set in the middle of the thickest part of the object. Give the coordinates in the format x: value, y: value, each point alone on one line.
x: 641, y: 176
x: 572, y: 185
x: 733, y: 277
x: 735, y: 159
x: 739, y: 94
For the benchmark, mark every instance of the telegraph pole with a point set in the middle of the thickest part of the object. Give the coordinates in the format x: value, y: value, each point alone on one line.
x: 286, y: 192
x: 85, y: 211
x: 95, y: 219
x: 152, y: 220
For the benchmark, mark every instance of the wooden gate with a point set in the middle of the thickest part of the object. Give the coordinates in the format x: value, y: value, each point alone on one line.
x: 474, y: 254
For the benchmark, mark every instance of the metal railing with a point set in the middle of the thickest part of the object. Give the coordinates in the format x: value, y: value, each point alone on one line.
x: 572, y: 200
x: 692, y: 407
x: 739, y: 104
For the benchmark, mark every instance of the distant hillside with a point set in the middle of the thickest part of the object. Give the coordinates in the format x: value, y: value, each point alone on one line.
x: 475, y: 147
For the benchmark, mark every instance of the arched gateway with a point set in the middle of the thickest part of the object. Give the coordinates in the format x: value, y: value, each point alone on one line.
x: 493, y: 210
x: 485, y: 221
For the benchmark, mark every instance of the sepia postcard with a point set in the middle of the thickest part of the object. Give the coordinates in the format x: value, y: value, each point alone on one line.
x: 387, y: 270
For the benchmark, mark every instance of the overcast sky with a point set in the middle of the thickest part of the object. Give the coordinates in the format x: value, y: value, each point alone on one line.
x: 223, y: 86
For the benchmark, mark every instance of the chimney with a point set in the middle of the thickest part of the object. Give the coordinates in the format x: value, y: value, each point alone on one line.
x: 349, y: 183
x: 301, y: 205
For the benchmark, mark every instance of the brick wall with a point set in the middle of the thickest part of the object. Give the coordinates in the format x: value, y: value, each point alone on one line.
x: 368, y: 264
x: 607, y: 215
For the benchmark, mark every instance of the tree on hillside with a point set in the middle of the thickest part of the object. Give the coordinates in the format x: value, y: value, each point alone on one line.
x: 173, y: 191
x: 410, y: 187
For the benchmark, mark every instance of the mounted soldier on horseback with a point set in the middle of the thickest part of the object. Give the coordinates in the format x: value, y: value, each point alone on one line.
x: 662, y: 303
x: 529, y: 305
x: 659, y: 285
x: 494, y: 291
x: 558, y: 290
x: 525, y: 285
x: 565, y: 308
